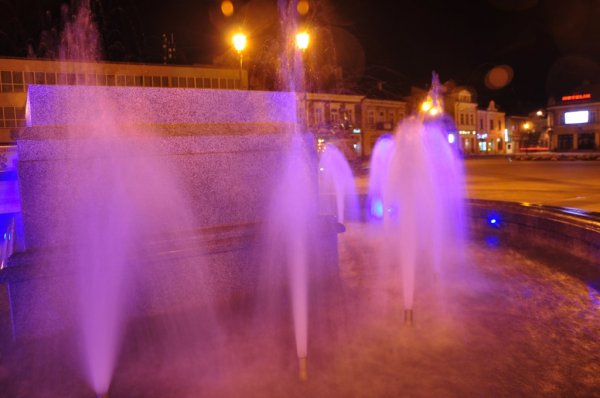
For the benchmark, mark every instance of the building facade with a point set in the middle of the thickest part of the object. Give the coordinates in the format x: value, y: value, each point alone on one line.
x: 379, y: 117
x: 460, y: 104
x: 491, y: 130
x: 353, y: 122
x: 574, y: 121
x: 16, y: 74
x: 334, y: 118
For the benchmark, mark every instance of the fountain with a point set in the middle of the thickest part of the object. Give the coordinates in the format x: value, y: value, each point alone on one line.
x: 416, y: 191
x: 336, y: 185
x: 179, y: 251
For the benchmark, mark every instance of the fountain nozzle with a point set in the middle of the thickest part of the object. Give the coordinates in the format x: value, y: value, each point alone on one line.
x: 302, y: 368
x: 408, y: 317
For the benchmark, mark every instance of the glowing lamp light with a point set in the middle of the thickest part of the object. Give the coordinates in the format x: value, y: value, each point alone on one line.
x: 239, y: 41
x: 451, y: 138
x: 434, y: 111
x: 302, y: 40
x: 426, y: 106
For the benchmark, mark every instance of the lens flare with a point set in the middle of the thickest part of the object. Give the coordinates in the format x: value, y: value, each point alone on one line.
x: 303, y: 7
x: 227, y: 8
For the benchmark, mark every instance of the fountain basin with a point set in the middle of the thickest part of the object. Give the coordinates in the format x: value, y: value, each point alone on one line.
x: 512, y: 322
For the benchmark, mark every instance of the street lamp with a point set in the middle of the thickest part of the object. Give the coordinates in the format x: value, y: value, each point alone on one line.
x: 302, y: 40
x: 240, y: 41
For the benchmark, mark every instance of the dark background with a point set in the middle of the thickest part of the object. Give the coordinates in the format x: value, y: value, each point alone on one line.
x: 383, y: 47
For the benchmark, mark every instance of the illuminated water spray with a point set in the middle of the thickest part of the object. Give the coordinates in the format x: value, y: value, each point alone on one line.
x: 336, y: 185
x: 415, y: 191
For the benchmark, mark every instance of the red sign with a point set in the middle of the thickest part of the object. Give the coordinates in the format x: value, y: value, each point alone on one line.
x: 576, y: 97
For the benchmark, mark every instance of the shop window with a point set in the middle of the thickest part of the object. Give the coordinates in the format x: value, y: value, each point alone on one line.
x: 215, y: 83
x: 198, y: 82
x: 50, y: 78
x: 206, y: 83
x: 585, y: 141
x: 129, y: 81
x: 565, y: 142
x: 101, y: 80
x: 155, y: 81
x: 182, y: 82
x: 30, y: 77
x: 40, y: 78
x: 147, y: 81
x: 18, y: 81
x: 165, y: 81
x: 230, y: 84
x: 9, y: 112
x: 6, y: 77
x: 111, y: 80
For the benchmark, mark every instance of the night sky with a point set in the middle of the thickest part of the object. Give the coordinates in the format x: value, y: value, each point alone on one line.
x: 384, y: 47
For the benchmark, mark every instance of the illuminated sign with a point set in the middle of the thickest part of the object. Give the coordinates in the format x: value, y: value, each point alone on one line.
x: 576, y: 97
x: 577, y: 117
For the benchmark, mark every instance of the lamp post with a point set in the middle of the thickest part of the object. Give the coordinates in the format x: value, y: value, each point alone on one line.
x: 240, y: 41
x: 302, y: 42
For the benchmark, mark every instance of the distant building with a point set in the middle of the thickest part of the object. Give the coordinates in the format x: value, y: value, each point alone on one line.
x: 574, y: 120
x: 519, y: 133
x: 460, y: 104
x: 16, y: 74
x: 379, y: 117
x: 352, y: 122
x: 334, y: 118
x: 491, y: 135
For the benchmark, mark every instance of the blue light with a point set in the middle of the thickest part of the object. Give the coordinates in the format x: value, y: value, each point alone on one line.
x: 451, y: 138
x: 494, y: 220
x: 492, y: 241
x: 377, y: 208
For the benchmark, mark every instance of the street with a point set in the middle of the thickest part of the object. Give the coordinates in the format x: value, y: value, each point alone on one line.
x: 556, y: 183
